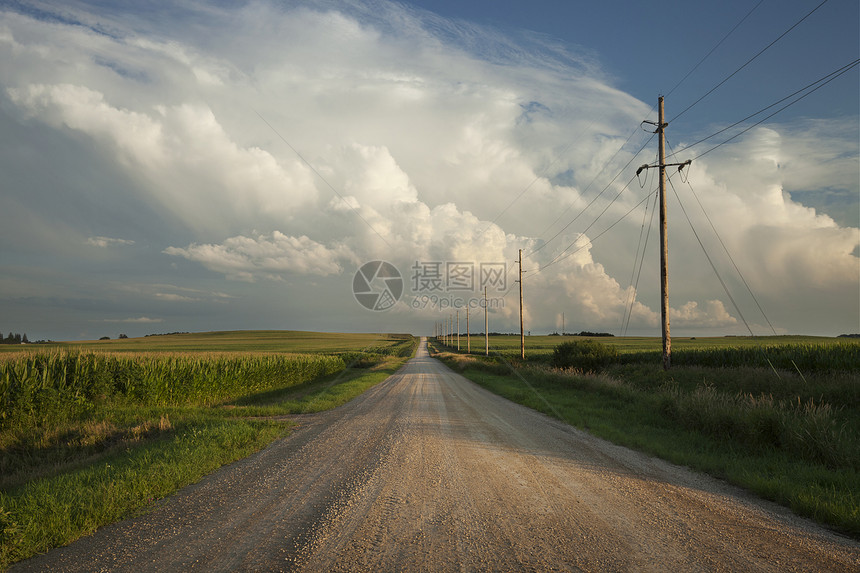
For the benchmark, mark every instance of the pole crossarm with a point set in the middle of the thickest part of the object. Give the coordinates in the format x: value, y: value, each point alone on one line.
x: 680, y: 166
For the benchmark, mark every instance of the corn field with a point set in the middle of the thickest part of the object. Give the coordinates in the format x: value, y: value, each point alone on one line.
x: 38, y: 387
x: 803, y: 357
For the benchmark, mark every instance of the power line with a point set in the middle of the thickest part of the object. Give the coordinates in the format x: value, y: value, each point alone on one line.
x: 720, y: 43
x: 631, y: 299
x: 324, y: 180
x: 763, y: 50
x: 535, y: 180
x: 835, y: 74
x: 729, y: 255
x: 633, y: 158
x: 710, y: 261
x: 786, y: 106
x: 560, y: 258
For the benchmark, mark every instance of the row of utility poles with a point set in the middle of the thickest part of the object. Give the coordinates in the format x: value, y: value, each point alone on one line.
x: 446, y: 334
x: 446, y: 330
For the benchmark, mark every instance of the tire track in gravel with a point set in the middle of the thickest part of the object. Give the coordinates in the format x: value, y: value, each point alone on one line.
x: 429, y: 472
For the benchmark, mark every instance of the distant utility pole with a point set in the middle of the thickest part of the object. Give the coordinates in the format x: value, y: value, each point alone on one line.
x: 664, y: 245
x: 486, y: 325
x: 468, y: 333
x: 522, y: 332
x: 458, y: 331
x: 562, y: 324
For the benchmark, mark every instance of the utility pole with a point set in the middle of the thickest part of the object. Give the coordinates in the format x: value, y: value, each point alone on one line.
x: 486, y: 325
x: 664, y: 245
x: 522, y: 332
x: 562, y: 324
x: 468, y: 333
x: 458, y: 331
x: 664, y: 240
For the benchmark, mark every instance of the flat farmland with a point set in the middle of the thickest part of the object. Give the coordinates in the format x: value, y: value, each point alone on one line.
x: 625, y: 344
x: 291, y: 341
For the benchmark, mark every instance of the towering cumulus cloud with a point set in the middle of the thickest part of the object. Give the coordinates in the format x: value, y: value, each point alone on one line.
x: 288, y: 143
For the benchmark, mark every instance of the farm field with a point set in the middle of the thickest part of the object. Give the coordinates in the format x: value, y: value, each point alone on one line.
x: 779, y: 416
x: 545, y: 343
x: 256, y: 341
x: 92, y: 432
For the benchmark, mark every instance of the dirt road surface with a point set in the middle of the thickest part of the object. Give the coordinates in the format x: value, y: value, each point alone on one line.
x: 429, y: 472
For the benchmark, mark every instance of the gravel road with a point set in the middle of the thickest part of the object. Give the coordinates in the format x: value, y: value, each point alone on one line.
x: 429, y: 472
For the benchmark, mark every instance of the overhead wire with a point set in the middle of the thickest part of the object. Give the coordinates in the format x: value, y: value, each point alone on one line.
x: 323, y: 179
x: 748, y: 62
x: 842, y: 71
x: 561, y: 256
x: 725, y: 248
x: 826, y: 79
x: 707, y: 256
x: 728, y: 253
x: 637, y: 260
x: 720, y: 43
x: 611, y: 159
x: 594, y: 200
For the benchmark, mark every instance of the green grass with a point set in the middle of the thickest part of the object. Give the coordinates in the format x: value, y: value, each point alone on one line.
x: 789, y: 438
x: 539, y: 347
x: 89, y: 437
x: 53, y: 511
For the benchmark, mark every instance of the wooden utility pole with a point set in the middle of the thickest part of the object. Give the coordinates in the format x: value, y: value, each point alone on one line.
x: 458, y: 331
x: 468, y: 333
x: 522, y: 332
x: 562, y: 324
x: 486, y: 325
x: 664, y: 243
x: 664, y: 246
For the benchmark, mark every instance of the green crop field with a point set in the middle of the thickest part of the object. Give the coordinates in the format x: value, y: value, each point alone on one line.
x: 226, y: 341
x: 545, y: 344
x: 91, y: 432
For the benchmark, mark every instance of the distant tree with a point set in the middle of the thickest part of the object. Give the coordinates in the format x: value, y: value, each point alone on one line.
x: 17, y: 338
x: 24, y: 339
x: 10, y: 339
x: 105, y: 338
x: 122, y: 336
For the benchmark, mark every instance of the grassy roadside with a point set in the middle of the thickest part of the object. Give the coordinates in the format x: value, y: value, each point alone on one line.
x: 804, y: 456
x: 63, y: 483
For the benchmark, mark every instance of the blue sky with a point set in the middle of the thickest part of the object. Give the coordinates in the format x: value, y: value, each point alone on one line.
x: 212, y: 166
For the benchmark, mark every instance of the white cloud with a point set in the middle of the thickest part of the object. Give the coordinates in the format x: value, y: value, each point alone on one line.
x: 713, y: 314
x: 245, y: 258
x: 105, y: 242
x: 138, y: 320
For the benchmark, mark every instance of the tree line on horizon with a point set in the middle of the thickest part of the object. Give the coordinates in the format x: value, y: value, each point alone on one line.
x: 15, y: 338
